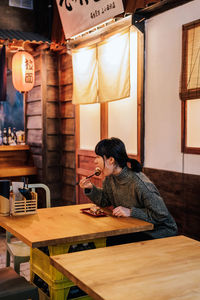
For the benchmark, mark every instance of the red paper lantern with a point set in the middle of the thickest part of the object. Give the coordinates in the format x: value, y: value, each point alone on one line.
x: 23, y: 71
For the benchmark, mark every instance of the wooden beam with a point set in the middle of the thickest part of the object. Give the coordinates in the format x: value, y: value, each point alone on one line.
x: 160, y: 7
x: 131, y: 6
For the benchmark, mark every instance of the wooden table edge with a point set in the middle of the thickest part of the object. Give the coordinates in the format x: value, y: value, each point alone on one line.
x: 75, y: 280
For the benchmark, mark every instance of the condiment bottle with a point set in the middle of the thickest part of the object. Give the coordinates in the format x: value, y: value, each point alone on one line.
x: 9, y: 141
x: 1, y: 138
x: 5, y: 140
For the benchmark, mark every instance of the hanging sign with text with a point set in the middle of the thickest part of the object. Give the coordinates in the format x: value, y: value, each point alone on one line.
x: 80, y: 15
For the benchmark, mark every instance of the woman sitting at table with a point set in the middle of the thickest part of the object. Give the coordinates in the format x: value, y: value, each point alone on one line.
x: 129, y: 191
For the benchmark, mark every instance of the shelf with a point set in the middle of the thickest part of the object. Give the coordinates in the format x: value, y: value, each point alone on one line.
x: 16, y: 161
x: 14, y: 147
x: 17, y: 171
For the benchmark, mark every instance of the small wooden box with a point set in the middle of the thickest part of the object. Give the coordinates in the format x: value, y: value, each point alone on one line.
x: 24, y: 206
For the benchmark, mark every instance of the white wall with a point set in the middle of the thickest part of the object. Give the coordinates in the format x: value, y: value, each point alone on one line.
x: 162, y: 103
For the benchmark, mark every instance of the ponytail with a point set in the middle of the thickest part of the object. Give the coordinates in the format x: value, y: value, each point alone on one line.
x: 135, y: 165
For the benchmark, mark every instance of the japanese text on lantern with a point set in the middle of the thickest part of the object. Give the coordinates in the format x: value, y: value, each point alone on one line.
x: 28, y: 68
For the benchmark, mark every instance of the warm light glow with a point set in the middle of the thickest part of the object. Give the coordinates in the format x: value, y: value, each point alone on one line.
x: 84, y: 76
x: 113, y: 47
x: 92, y: 29
x: 125, y: 111
x: 89, y: 126
x: 114, y: 67
x: 23, y: 71
x: 193, y: 123
x: 101, y: 72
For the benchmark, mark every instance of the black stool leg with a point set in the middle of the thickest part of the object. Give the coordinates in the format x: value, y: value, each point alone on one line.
x: 35, y: 295
x: 7, y: 259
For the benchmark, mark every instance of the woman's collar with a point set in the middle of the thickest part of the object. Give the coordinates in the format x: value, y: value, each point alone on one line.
x: 123, y: 175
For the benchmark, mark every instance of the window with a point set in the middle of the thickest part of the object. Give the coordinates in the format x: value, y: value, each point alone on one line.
x: 117, y: 118
x: 190, y: 88
x: 122, y: 118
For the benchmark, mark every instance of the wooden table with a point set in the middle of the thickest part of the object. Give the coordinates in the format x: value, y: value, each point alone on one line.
x: 160, y: 269
x: 59, y: 225
x: 59, y: 228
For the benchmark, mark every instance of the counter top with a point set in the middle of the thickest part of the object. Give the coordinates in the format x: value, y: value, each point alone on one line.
x: 14, y: 147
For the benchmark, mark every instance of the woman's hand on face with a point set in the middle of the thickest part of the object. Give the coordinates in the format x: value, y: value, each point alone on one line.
x: 121, y: 211
x: 85, y: 183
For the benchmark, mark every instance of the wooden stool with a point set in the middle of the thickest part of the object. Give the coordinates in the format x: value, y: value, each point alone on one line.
x: 13, y: 286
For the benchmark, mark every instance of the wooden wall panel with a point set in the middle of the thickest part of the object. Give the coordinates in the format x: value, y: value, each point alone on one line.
x: 68, y: 143
x: 39, y: 176
x: 51, y: 117
x: 68, y: 126
x: 85, y: 167
x: 181, y: 195
x: 55, y: 189
x: 52, y: 63
x: 68, y: 160
x: 34, y: 137
x: 66, y: 62
x: 52, y: 110
x: 34, y: 94
x: 53, y: 175
x: 52, y: 77
x: 69, y: 194
x: 49, y: 107
x: 66, y: 92
x: 37, y: 61
x: 34, y: 122
x: 52, y: 93
x: 34, y: 130
x: 34, y: 108
x: 86, y: 161
x: 43, y: 113
x: 66, y: 77
x: 82, y: 198
x: 67, y: 114
x: 53, y: 158
x: 191, y: 186
x: 36, y: 150
x: 67, y: 110
x: 53, y: 142
x: 69, y: 176
x: 38, y: 78
x: 38, y: 161
x: 53, y: 126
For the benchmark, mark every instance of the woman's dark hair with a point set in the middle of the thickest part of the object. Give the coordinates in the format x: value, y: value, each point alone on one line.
x: 115, y: 148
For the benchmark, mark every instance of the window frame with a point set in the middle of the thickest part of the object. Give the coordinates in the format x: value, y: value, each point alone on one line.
x: 187, y: 94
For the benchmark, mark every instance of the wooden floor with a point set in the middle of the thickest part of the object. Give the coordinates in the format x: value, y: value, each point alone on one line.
x: 25, y: 267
